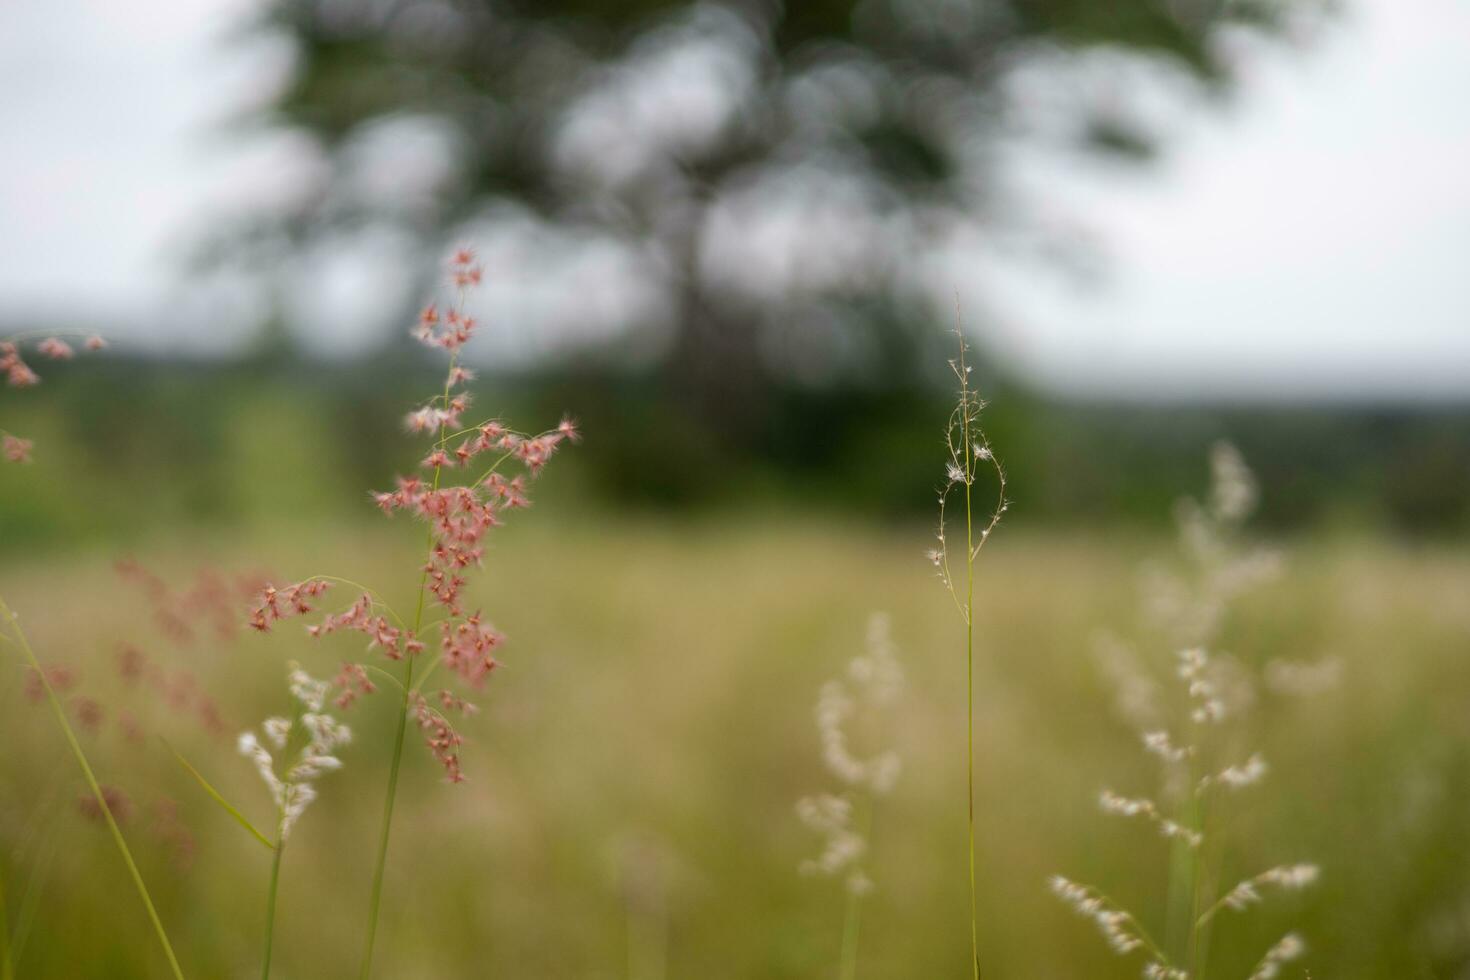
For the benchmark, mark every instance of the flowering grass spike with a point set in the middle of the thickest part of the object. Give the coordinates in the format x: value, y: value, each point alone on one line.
x: 1195, y: 748
x: 464, y: 489
x: 969, y: 454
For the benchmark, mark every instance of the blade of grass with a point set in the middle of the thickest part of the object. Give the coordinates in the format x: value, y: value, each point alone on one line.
x: 19, y: 639
x: 214, y: 794
x: 30, y: 899
x: 270, y: 909
x: 7, y: 964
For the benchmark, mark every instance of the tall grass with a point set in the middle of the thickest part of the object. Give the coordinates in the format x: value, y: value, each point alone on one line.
x: 14, y: 636
x: 458, y: 514
x: 969, y: 454
x: 871, y: 681
x: 1193, y: 735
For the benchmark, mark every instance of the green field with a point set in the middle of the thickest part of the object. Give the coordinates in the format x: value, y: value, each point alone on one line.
x: 632, y: 774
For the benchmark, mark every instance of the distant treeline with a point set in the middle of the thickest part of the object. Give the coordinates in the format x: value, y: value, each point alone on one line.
x: 126, y: 445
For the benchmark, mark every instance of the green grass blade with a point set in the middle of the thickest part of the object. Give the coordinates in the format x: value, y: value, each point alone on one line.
x: 214, y: 794
x: 18, y: 638
x: 30, y: 900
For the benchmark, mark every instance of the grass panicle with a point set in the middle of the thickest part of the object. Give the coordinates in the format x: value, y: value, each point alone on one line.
x: 873, y: 680
x: 970, y: 454
x: 1190, y: 731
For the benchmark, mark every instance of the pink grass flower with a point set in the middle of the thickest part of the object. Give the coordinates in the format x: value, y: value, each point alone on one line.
x: 459, y: 513
x: 17, y: 450
x: 62, y: 679
x: 352, y: 680
x: 117, y: 802
x: 56, y: 349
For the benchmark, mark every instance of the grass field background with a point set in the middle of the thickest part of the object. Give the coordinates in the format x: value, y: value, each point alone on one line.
x: 633, y: 770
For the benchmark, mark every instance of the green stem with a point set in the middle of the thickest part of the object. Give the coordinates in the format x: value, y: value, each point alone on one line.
x: 7, y: 964
x: 1199, y: 925
x: 852, y: 919
x: 400, y: 732
x: 30, y: 899
x: 81, y: 757
x: 377, y: 893
x: 970, y: 660
x: 270, y: 906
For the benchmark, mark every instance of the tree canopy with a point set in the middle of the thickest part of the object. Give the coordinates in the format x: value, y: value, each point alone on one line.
x: 773, y: 175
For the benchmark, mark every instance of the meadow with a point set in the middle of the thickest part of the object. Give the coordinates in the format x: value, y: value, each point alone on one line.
x: 628, y: 809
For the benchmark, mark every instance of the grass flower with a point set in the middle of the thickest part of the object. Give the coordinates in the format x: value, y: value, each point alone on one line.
x: 969, y: 455
x: 1191, y: 743
x: 873, y: 679
x: 18, y: 373
x: 305, y: 749
x: 461, y: 495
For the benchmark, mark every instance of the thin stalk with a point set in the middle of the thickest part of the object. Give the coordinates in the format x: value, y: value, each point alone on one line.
x: 377, y: 893
x: 852, y: 918
x: 970, y: 656
x: 270, y: 907
x: 401, y: 728
x: 1198, y: 924
x: 81, y: 757
x: 7, y: 964
x: 852, y: 921
x: 30, y: 899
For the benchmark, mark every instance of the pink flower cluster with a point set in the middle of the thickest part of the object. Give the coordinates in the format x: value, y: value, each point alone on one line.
x: 352, y: 681
x: 214, y: 599
x: 179, y: 690
x: 459, y: 514
x: 62, y: 679
x: 468, y: 648
x: 166, y: 826
x: 17, y: 450
x: 277, y: 604
x: 439, y: 735
x: 18, y: 374
x: 361, y: 616
x: 118, y: 804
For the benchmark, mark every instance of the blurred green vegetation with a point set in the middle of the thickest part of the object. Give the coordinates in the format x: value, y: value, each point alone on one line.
x: 634, y: 767
x: 125, y: 447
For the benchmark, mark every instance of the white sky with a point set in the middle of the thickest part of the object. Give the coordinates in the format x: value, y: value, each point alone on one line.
x: 1310, y: 238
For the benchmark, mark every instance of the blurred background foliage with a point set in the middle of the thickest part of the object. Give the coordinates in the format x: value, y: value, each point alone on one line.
x: 127, y: 447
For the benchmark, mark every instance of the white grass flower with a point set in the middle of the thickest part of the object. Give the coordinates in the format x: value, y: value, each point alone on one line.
x: 1121, y: 931
x: 1287, y: 877
x: 1204, y: 692
x: 1212, y: 691
x: 843, y: 848
x: 1233, y: 491
x: 873, y: 678
x: 1160, y: 744
x: 304, y: 688
x: 1124, y: 807
x: 1288, y: 948
x: 277, y: 730
x: 1137, y: 694
x: 1252, y: 771
x: 293, y: 791
x: 877, y: 671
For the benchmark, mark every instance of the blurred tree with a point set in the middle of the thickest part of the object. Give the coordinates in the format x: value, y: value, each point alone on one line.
x: 776, y: 178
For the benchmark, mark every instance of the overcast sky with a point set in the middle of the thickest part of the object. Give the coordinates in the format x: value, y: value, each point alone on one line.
x: 1310, y: 237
